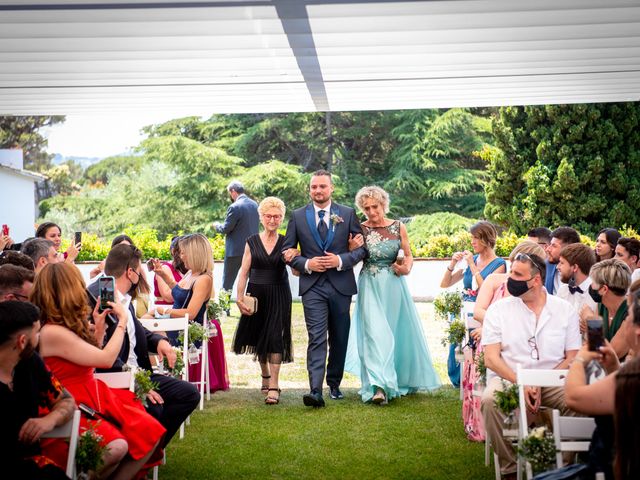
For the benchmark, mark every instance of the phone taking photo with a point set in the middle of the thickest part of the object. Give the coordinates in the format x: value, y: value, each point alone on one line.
x: 595, y: 334
x: 77, y: 238
x: 150, y: 264
x: 107, y: 292
x: 5, y: 230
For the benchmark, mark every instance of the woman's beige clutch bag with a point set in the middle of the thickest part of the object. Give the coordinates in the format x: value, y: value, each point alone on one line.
x: 251, y: 303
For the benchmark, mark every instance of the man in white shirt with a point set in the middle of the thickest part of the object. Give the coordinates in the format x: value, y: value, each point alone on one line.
x: 574, y: 266
x: 530, y: 328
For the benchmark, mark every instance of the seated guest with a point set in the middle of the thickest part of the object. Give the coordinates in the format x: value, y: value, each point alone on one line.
x: 574, y: 266
x: 52, y: 232
x: 606, y: 242
x: 560, y: 238
x: 117, y: 240
x: 628, y: 251
x: 71, y: 351
x: 190, y: 296
x: 604, y: 398
x: 541, y: 236
x: 41, y: 252
x: 12, y: 257
x: 610, y: 280
x: 530, y: 328
x: 174, y: 399
x: 15, y: 283
x: 26, y: 387
x: 175, y: 268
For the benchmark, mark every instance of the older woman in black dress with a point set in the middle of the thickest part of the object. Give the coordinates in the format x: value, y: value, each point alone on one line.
x: 266, y: 333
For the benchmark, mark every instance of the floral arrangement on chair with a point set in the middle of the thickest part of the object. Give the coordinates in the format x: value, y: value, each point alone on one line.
x: 507, y: 401
x: 143, y: 385
x: 448, y: 304
x: 178, y: 367
x: 89, y: 454
x: 217, y: 308
x: 481, y: 367
x: 454, y: 333
x: 539, y: 449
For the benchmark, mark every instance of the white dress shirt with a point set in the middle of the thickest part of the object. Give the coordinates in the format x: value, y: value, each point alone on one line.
x: 125, y: 300
x: 578, y: 300
x: 512, y: 324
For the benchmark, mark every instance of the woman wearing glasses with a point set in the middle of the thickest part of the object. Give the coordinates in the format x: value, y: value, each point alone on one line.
x: 265, y: 333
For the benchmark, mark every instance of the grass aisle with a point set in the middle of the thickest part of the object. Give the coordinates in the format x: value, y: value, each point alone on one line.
x: 238, y: 437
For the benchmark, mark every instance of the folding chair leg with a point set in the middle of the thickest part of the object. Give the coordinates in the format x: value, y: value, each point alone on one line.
x: 204, y: 360
x: 181, y: 431
x: 496, y: 465
x: 487, y: 451
x: 155, y: 473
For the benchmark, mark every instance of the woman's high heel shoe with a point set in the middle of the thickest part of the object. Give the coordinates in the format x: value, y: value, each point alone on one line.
x: 379, y: 398
x: 265, y: 388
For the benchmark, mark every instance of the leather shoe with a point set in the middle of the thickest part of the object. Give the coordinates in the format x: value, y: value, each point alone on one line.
x: 313, y: 399
x: 335, y: 393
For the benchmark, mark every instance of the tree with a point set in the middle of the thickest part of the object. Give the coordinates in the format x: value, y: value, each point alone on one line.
x: 23, y: 132
x: 572, y: 165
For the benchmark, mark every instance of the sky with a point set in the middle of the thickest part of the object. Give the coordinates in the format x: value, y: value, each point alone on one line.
x: 98, y: 136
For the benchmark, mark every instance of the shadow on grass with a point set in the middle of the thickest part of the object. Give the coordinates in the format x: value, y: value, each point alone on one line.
x: 238, y: 436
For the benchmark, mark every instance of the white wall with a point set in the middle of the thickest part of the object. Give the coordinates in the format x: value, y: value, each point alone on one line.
x: 17, y: 204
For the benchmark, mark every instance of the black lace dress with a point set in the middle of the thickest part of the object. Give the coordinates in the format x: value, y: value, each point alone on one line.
x: 267, y: 333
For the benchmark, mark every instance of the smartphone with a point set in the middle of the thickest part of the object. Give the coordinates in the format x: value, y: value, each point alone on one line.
x: 150, y: 264
x: 595, y: 334
x: 77, y: 238
x: 5, y: 230
x: 87, y: 410
x: 107, y: 292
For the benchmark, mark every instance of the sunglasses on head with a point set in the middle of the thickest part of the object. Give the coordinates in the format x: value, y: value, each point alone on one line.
x: 523, y: 257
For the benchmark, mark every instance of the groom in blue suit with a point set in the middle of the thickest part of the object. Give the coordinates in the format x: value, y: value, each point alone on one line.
x: 323, y: 229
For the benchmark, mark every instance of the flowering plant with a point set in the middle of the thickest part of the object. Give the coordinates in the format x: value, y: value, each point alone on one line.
x: 143, y: 385
x: 507, y: 400
x: 538, y: 449
x: 455, y: 333
x: 89, y: 452
x: 481, y: 367
x: 469, y: 292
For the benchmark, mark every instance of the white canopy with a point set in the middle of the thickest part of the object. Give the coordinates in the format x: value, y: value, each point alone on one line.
x: 203, y: 57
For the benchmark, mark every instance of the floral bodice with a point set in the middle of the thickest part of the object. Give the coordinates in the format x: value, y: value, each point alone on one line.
x: 383, y: 244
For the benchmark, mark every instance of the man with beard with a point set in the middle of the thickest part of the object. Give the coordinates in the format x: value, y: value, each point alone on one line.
x: 574, y: 266
x: 27, y: 387
x: 15, y: 283
x: 560, y: 238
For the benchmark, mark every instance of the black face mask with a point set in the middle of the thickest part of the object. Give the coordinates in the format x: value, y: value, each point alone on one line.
x: 517, y: 288
x: 134, y: 286
x: 595, y: 295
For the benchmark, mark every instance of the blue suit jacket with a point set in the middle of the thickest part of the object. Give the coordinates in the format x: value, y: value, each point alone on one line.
x: 242, y: 221
x: 550, y: 275
x: 303, y: 231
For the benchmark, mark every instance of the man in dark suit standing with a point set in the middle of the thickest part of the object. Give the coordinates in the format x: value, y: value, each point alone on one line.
x: 323, y: 229
x: 242, y: 221
x: 175, y: 399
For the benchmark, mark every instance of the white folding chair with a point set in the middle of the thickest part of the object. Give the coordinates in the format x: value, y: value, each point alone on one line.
x: 123, y: 380
x: 571, y: 434
x: 180, y: 324
x: 204, y: 383
x: 70, y: 430
x: 534, y: 378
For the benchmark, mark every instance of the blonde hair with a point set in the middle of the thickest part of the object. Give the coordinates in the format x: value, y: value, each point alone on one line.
x: 613, y: 273
x: 271, y: 202
x: 375, y: 193
x: 198, y: 250
x: 528, y: 247
x: 59, y: 292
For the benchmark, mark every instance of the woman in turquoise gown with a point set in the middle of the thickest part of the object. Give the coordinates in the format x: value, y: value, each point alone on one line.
x: 387, y: 348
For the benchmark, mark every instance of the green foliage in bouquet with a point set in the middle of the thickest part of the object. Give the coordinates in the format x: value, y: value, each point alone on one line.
x: 447, y: 303
x: 89, y: 452
x: 197, y: 333
x: 507, y: 400
x: 539, y: 450
x: 481, y: 367
x: 178, y: 367
x: 215, y: 308
x: 454, y: 333
x: 143, y: 385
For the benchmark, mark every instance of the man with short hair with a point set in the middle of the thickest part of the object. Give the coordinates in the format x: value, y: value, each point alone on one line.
x: 241, y: 222
x: 41, y: 251
x: 560, y: 238
x: 175, y: 399
x: 529, y: 328
x: 323, y: 229
x: 540, y: 235
x: 12, y: 257
x: 15, y: 283
x: 574, y: 266
x: 26, y: 387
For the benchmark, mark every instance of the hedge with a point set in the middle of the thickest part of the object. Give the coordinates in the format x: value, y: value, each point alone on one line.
x: 436, y: 246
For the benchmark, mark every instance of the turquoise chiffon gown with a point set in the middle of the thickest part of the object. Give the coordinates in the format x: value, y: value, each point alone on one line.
x: 387, y: 346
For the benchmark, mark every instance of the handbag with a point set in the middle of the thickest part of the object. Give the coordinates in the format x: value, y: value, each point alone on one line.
x: 251, y: 303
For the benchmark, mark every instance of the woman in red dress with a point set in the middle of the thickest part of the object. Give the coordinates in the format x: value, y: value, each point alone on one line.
x: 70, y: 349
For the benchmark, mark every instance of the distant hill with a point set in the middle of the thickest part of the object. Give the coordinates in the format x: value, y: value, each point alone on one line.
x: 84, y: 162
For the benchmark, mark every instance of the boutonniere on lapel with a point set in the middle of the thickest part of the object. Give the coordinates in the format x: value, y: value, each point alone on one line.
x: 336, y: 219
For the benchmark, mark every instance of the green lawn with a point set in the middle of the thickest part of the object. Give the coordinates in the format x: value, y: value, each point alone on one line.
x: 237, y: 436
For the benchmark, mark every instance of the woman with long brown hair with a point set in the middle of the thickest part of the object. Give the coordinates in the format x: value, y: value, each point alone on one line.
x: 70, y: 349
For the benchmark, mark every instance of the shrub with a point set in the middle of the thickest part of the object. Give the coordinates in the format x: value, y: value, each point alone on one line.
x: 423, y: 227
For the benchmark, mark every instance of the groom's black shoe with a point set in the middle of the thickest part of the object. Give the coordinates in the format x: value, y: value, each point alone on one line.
x: 335, y: 393
x: 313, y: 399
